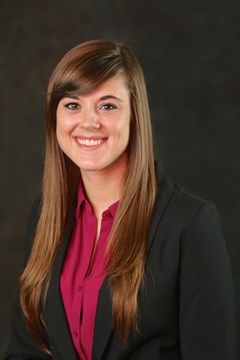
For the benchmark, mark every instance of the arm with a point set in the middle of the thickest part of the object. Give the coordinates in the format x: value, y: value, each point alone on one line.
x: 207, y: 319
x: 21, y: 345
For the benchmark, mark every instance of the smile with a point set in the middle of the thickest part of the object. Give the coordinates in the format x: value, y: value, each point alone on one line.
x: 90, y: 142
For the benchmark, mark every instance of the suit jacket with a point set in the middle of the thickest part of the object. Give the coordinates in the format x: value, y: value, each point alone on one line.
x: 186, y: 306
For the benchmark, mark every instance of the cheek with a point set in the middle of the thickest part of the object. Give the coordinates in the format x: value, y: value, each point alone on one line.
x: 63, y: 126
x: 125, y: 131
x: 122, y: 126
x: 62, y: 131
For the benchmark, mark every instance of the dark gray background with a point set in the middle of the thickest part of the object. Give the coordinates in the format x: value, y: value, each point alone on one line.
x: 190, y: 54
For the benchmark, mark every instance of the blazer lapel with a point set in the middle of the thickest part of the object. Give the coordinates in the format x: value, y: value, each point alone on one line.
x: 103, y: 322
x: 164, y: 195
x: 57, y: 321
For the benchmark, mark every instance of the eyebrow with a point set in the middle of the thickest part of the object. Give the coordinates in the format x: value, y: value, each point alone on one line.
x: 105, y: 97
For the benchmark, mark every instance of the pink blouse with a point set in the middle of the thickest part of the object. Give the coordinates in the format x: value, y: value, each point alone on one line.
x: 82, y: 275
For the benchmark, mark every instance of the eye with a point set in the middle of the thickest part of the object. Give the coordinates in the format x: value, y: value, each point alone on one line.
x: 108, y: 107
x: 72, y: 106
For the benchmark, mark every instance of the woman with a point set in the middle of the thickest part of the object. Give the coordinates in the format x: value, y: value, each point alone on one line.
x: 120, y: 262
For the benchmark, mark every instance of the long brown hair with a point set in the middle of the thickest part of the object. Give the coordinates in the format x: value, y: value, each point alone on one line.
x: 81, y: 71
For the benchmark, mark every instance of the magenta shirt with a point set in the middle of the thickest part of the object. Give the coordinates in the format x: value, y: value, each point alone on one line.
x: 80, y: 281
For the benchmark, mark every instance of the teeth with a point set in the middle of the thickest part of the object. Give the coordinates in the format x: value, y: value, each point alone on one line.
x: 88, y: 142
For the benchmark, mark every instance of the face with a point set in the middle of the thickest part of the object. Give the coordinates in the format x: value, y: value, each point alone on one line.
x: 93, y: 130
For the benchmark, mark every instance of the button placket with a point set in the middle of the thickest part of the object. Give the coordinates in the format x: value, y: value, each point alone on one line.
x: 75, y: 333
x: 107, y: 215
x: 79, y: 288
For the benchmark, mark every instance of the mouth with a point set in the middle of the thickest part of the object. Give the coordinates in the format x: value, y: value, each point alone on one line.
x: 89, y: 143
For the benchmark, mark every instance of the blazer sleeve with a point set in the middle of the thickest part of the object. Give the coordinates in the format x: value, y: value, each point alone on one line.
x: 207, y: 310
x: 21, y: 344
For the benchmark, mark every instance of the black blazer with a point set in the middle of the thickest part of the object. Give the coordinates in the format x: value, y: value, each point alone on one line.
x: 186, y: 304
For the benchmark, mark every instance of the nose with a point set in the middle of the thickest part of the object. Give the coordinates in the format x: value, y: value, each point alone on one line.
x: 90, y: 120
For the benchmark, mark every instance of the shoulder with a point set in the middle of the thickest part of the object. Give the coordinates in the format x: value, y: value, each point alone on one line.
x: 182, y: 205
x: 200, y: 223
x: 185, y: 215
x: 191, y: 228
x: 190, y: 207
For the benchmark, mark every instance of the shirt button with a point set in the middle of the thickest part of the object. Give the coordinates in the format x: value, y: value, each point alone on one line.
x: 79, y: 288
x: 75, y: 333
x: 107, y: 215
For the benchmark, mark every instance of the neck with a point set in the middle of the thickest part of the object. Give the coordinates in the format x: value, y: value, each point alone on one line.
x: 103, y: 188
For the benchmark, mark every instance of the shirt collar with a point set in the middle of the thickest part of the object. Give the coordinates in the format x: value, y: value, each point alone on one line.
x: 113, y: 209
x: 82, y: 201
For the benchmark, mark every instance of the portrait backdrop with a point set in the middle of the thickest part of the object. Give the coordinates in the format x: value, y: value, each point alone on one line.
x: 190, y: 54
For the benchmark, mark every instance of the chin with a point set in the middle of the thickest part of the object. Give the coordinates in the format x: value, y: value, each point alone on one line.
x: 89, y: 167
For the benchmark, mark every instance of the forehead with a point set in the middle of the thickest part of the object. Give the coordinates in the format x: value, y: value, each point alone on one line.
x: 116, y: 85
